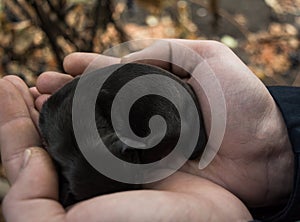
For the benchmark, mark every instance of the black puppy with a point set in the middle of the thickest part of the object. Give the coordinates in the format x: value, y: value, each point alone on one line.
x: 78, y: 180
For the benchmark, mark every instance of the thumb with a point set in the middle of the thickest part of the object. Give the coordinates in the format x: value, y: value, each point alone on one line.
x: 33, y: 196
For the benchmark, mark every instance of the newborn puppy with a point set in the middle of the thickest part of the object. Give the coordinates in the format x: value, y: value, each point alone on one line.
x: 78, y: 180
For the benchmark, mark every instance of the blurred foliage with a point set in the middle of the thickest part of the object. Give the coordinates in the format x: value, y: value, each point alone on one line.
x: 36, y: 35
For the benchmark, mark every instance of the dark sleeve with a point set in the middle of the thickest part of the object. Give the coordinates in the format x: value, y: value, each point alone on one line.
x: 288, y: 101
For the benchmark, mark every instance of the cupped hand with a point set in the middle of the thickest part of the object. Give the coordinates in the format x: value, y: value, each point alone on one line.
x: 255, y: 160
x: 33, y: 195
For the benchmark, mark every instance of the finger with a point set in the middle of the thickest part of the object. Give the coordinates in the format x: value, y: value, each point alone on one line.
x: 33, y: 196
x: 39, y: 102
x: 204, y: 48
x: 136, y: 206
x: 157, y: 54
x: 183, y: 191
x: 178, y: 56
x: 27, y: 96
x: 76, y: 63
x: 17, y: 131
x: 50, y: 82
x: 171, y: 55
x: 34, y: 92
x: 206, y: 191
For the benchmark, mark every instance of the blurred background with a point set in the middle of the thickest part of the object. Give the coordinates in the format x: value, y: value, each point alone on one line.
x: 36, y: 35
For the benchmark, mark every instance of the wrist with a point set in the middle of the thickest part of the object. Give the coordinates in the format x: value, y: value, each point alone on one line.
x: 280, y: 163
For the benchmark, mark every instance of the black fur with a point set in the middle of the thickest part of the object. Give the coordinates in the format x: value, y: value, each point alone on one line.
x: 78, y: 179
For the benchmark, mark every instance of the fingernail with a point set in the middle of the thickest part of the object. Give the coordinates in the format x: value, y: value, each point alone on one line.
x: 26, y: 157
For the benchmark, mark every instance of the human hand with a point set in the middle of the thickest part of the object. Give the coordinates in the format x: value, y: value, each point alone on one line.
x: 33, y: 195
x: 255, y: 160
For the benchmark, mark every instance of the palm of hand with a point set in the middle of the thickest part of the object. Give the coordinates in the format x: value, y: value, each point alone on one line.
x: 253, y: 137
x: 255, y: 155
